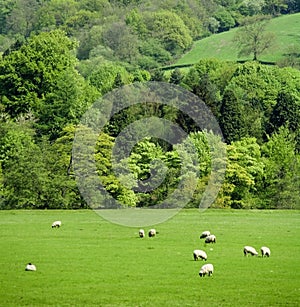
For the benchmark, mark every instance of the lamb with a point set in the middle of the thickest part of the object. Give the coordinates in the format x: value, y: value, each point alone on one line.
x: 56, y: 224
x: 204, y: 234
x: 30, y: 267
x: 206, y: 269
x: 265, y: 251
x: 152, y: 233
x: 250, y: 250
x: 199, y: 254
x: 210, y: 239
x: 141, y: 233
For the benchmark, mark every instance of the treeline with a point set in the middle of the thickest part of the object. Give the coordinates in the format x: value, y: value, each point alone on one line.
x: 45, y: 90
x: 143, y: 34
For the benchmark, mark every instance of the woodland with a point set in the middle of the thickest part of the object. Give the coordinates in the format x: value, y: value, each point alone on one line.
x: 57, y: 57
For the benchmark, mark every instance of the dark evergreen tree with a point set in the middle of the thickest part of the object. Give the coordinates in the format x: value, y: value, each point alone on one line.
x: 176, y: 76
x: 286, y: 113
x: 158, y: 75
x: 232, y: 120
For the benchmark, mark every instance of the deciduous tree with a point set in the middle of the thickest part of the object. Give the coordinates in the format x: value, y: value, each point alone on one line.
x: 252, y: 37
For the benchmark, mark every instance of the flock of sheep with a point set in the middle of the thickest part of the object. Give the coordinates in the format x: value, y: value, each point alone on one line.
x: 208, y: 269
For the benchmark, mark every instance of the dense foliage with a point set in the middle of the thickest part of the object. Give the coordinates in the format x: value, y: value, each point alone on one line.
x: 156, y: 31
x: 60, y: 56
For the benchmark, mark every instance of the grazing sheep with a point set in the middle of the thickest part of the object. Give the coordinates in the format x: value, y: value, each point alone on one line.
x: 265, y: 251
x: 56, y: 224
x: 250, y: 250
x: 152, y: 233
x: 30, y: 267
x: 198, y: 253
x: 204, y: 234
x: 206, y: 269
x: 210, y: 239
x: 141, y: 233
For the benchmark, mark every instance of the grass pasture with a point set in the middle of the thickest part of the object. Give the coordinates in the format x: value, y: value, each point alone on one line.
x: 221, y: 45
x: 91, y: 262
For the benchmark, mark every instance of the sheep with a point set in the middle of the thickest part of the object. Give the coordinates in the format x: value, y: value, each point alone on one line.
x: 210, y: 239
x: 265, y: 251
x: 250, y: 250
x: 199, y: 254
x: 56, y: 224
x: 30, y: 267
x: 206, y: 269
x: 152, y: 233
x: 141, y: 233
x: 204, y: 234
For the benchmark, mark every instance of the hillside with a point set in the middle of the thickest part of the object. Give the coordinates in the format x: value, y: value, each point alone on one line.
x: 221, y: 46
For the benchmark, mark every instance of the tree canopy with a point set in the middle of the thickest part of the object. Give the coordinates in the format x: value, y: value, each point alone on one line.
x: 58, y: 58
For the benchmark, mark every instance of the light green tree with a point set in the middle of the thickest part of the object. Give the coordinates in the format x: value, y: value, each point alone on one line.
x: 244, y: 171
x: 169, y: 29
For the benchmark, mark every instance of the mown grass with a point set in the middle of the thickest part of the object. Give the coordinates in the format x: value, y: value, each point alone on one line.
x: 91, y: 262
x: 222, y: 46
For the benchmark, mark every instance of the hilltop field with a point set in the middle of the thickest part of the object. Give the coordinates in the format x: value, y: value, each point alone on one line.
x: 90, y: 262
x: 222, y: 46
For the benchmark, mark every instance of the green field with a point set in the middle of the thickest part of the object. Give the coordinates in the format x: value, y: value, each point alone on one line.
x: 91, y: 262
x: 221, y: 46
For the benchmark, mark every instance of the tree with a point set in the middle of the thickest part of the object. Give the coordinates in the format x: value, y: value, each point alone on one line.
x: 24, y: 171
x: 61, y: 191
x: 176, y: 76
x: 117, y: 189
x: 55, y: 13
x: 119, y: 37
x: 225, y: 20
x: 274, y: 7
x: 286, y: 113
x: 244, y: 171
x: 158, y: 75
x: 40, y: 77
x: 169, y: 29
x: 30, y: 72
x: 281, y: 184
x: 252, y: 38
x: 232, y: 120
x: 257, y: 86
x: 104, y: 76
x: 18, y: 17
x: 251, y: 7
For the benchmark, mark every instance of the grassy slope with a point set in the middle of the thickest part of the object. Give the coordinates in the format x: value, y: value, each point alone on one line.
x: 221, y: 46
x: 89, y: 261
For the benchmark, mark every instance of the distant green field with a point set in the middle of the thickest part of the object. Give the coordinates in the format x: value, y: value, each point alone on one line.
x: 91, y: 262
x: 221, y: 46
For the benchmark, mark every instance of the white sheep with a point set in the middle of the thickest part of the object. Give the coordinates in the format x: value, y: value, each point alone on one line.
x: 250, y: 250
x: 152, y: 233
x: 265, y: 251
x: 206, y: 269
x: 30, y: 267
x: 198, y: 253
x: 56, y: 224
x: 204, y: 234
x: 210, y: 239
x: 141, y: 233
